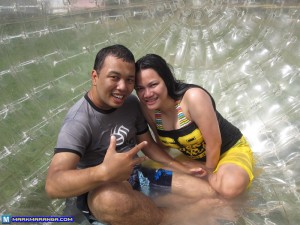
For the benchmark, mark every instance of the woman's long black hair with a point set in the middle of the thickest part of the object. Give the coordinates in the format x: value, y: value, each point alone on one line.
x: 176, y: 88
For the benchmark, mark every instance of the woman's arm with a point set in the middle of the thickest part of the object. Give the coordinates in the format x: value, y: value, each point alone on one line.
x: 197, y: 105
x: 156, y: 151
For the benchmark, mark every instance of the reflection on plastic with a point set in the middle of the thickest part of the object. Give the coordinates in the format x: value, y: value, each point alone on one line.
x: 246, y: 53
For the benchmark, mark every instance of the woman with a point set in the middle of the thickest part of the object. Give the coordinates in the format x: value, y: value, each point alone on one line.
x: 184, y: 116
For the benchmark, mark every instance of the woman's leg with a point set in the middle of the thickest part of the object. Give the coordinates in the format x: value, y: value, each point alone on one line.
x: 230, y: 180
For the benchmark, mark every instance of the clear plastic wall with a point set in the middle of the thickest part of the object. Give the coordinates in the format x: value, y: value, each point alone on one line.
x: 246, y: 53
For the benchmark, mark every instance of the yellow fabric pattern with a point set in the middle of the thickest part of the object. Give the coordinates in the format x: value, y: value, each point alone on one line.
x: 240, y: 154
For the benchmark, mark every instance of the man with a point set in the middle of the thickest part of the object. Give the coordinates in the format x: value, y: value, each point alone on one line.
x: 96, y: 152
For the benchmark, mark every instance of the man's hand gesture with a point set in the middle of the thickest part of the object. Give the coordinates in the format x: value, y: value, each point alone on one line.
x: 119, y: 166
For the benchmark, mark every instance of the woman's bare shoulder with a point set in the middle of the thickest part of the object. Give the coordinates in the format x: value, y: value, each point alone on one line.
x: 195, y: 95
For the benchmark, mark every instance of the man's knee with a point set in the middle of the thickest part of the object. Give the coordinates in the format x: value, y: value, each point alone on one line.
x: 110, y: 200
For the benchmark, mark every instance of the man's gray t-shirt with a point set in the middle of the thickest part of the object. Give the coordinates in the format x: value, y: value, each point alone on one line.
x: 87, y: 129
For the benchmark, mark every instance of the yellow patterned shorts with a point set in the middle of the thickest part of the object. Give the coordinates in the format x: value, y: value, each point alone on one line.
x: 240, y: 154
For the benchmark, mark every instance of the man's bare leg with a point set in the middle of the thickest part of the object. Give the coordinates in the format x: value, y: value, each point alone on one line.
x: 207, y: 212
x: 184, y: 184
x: 198, y: 212
x: 119, y: 204
x: 192, y: 198
x: 191, y: 187
x: 186, y: 190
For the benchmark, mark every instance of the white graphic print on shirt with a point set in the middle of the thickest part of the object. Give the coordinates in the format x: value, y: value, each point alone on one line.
x: 120, y: 133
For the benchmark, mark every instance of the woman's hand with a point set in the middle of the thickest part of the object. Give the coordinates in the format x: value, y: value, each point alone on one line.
x: 197, y: 169
x: 198, y: 172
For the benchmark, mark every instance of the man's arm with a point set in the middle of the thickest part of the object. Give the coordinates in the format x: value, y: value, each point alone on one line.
x: 64, y: 180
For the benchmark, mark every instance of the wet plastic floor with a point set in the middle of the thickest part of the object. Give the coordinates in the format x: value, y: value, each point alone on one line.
x: 246, y: 53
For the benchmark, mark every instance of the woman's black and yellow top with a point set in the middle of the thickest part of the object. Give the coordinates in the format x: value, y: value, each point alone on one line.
x: 188, y: 138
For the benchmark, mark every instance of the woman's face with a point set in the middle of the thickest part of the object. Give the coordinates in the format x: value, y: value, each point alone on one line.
x: 151, y: 89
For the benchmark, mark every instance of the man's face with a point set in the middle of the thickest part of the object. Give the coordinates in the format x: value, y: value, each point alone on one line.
x: 113, y: 83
